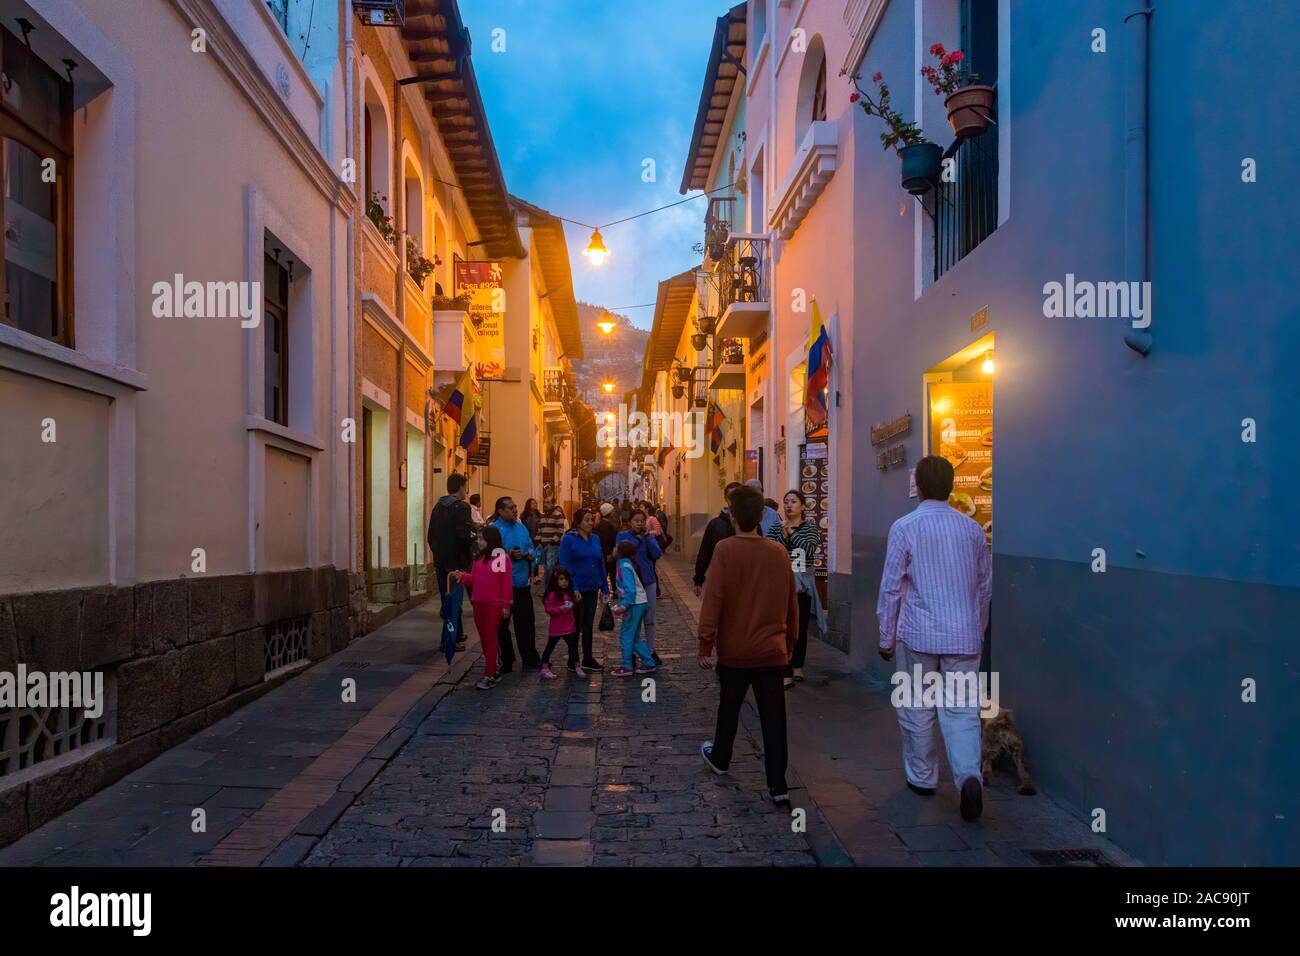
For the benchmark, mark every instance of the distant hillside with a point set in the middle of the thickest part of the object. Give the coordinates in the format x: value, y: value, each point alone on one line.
x: 616, y: 357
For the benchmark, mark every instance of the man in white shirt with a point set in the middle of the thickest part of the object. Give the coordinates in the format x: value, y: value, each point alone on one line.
x: 933, y: 608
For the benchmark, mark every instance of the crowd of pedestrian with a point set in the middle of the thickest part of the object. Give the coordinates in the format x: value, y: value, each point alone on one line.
x: 754, y: 576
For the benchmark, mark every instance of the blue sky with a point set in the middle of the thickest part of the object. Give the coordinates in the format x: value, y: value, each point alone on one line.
x: 583, y: 93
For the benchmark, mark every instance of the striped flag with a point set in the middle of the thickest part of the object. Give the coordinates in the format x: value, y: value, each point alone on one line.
x: 721, y: 435
x: 460, y: 403
x: 469, y: 434
x: 820, y: 358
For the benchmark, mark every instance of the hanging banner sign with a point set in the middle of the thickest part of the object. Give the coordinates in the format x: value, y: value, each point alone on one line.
x: 482, y: 282
x: 482, y: 457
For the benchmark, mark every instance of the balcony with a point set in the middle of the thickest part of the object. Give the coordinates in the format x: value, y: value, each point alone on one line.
x: 741, y: 281
x: 810, y: 170
x: 728, y: 365
x: 454, y: 340
x: 964, y: 212
x: 559, y: 392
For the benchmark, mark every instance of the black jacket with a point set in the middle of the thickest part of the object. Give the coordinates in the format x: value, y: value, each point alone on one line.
x: 718, y: 528
x: 451, y: 533
x: 606, y: 531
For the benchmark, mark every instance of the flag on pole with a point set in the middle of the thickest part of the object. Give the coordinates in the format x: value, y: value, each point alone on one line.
x: 460, y: 403
x: 469, y: 435
x: 820, y: 358
x: 721, y: 434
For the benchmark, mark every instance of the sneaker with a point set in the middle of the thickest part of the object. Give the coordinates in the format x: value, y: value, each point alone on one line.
x: 547, y: 673
x: 789, y: 683
x: 487, y: 683
x: 780, y: 799
x: 593, y: 665
x: 621, y: 671
x: 706, y: 751
x: 505, y: 669
x: 972, y: 798
x: 644, y: 668
x: 579, y: 672
x: 655, y: 657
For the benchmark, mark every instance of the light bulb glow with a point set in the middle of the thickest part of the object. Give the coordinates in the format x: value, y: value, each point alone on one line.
x: 988, y: 363
x: 596, y: 250
x: 605, y: 326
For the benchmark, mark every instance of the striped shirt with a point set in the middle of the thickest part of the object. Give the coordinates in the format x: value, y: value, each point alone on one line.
x: 938, y: 577
x: 550, y: 528
x: 805, y: 537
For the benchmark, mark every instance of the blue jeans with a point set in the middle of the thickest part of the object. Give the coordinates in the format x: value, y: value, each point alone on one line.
x: 630, y: 641
x: 550, y: 558
x: 452, y: 599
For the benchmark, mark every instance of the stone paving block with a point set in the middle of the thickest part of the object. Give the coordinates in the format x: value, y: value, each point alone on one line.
x: 562, y: 825
x: 562, y: 853
x: 291, y: 852
x: 568, y: 798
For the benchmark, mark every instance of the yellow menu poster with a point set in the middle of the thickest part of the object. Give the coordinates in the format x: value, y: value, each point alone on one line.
x: 961, y: 430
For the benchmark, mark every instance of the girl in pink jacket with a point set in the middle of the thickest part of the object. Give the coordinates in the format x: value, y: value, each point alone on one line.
x: 491, y: 592
x: 559, y: 603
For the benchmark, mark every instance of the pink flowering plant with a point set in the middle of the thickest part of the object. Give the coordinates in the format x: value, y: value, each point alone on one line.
x: 382, y: 221
x: 900, y: 132
x: 949, y: 76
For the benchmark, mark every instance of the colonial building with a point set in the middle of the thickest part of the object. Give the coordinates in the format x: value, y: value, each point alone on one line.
x: 174, y: 373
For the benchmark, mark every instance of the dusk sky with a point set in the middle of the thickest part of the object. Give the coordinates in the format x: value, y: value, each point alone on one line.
x: 583, y: 93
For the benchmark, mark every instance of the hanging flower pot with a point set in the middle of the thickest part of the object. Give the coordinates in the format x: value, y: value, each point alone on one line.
x: 969, y: 109
x: 920, y: 166
x: 679, y: 391
x: 684, y: 373
x: 707, y: 323
x: 698, y: 341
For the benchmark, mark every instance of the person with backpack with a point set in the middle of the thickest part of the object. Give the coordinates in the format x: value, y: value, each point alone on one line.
x: 718, y: 528
x: 451, y: 538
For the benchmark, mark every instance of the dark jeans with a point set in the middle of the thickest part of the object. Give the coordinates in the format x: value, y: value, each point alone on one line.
x: 570, y: 639
x: 452, y: 600
x: 801, y: 643
x: 769, y: 694
x: 586, y: 621
x: 521, y: 617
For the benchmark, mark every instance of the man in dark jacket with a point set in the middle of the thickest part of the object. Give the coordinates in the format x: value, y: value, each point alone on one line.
x: 607, y: 531
x: 451, y: 539
x: 718, y: 528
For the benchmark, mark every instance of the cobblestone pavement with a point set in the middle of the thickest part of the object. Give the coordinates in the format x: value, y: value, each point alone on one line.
x: 602, y: 772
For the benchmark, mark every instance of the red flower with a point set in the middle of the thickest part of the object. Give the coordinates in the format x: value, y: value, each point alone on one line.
x: 955, y: 56
x: 877, y: 77
x: 937, y: 49
x: 854, y: 97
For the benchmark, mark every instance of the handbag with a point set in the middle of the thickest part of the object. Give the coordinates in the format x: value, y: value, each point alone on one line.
x: 606, y: 618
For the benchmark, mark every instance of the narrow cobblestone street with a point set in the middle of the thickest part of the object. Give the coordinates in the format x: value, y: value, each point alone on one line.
x: 601, y: 772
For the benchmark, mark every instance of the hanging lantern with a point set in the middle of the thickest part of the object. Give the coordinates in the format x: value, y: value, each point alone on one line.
x: 596, y: 250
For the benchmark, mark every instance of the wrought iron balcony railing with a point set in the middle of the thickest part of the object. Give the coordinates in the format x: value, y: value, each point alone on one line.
x: 965, y: 211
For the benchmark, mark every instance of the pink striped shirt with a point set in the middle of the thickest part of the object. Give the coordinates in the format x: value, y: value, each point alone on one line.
x: 938, y: 578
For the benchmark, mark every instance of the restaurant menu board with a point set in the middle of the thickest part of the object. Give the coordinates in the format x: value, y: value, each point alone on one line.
x: 961, y: 430
x: 815, y: 483
x: 481, y: 281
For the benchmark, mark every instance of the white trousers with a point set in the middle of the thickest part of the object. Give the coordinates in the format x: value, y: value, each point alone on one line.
x: 960, y: 725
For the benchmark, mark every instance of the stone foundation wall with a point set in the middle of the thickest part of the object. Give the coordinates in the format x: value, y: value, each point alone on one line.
x: 182, y: 653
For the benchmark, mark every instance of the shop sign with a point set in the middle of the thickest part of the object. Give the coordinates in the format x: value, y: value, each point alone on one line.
x: 886, y: 430
x: 979, y: 319
x: 483, y: 456
x: 482, y: 281
x: 891, y: 456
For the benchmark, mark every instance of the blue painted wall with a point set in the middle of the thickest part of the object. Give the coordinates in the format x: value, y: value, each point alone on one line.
x: 1126, y: 684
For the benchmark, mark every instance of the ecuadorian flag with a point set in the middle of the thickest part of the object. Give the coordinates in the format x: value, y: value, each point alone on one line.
x: 820, y: 358
x: 469, y: 434
x: 459, y: 404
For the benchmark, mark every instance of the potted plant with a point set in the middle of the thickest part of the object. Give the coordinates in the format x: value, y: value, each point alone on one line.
x: 969, y: 104
x: 679, y: 391
x: 417, y: 266
x: 382, y: 221
x: 717, y: 239
x: 447, y: 303
x: 684, y: 373
x: 707, y: 323
x: 919, y: 157
x: 698, y: 341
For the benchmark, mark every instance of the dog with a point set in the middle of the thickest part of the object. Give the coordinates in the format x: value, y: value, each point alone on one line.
x: 999, y: 738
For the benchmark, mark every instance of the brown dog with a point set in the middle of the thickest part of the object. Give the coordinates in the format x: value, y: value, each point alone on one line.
x: 1000, y: 738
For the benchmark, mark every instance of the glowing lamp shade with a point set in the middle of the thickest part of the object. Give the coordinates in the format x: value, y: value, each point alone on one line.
x: 606, y: 326
x: 607, y: 386
x: 596, y: 250
x: 988, y: 363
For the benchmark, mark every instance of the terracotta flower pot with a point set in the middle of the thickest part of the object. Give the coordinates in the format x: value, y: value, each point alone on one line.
x: 920, y: 166
x: 969, y: 109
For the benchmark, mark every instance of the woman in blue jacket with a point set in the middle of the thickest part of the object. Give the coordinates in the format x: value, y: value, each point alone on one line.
x: 583, y: 557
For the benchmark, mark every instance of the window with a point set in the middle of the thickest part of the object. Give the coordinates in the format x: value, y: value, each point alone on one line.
x: 819, y: 93
x: 280, y: 10
x: 36, y: 165
x: 275, y: 319
x: 966, y: 210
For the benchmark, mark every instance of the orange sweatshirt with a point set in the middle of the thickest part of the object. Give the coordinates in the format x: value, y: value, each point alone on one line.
x: 749, y: 611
